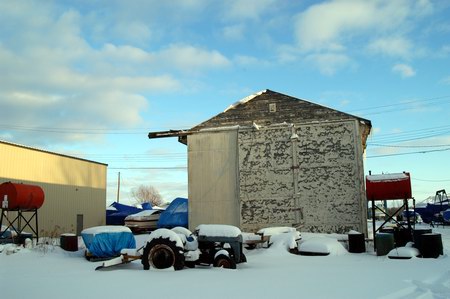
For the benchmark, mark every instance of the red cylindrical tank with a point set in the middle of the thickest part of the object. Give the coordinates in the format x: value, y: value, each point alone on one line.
x: 21, y: 196
x: 388, y: 186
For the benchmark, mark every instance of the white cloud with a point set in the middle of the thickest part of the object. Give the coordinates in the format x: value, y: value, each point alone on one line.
x: 391, y: 46
x: 329, y: 26
x: 248, y: 9
x: 404, y: 70
x: 244, y: 60
x: 446, y: 80
x: 344, y: 103
x: 191, y: 59
x: 329, y: 63
x: 233, y: 32
x: 54, y: 78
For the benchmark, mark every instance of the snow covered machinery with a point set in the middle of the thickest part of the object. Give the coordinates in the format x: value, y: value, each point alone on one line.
x: 217, y: 245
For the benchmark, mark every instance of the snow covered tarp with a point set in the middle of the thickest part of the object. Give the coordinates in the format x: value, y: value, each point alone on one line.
x: 321, y: 245
x: 405, y: 252
x: 107, y: 241
x: 175, y: 215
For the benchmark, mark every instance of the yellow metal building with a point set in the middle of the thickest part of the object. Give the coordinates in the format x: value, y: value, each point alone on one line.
x: 75, y: 189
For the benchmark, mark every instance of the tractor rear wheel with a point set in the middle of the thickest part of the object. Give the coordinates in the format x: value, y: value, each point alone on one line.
x: 224, y: 261
x: 162, y: 253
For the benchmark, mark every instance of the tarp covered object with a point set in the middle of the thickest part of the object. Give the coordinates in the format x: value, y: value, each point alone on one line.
x: 117, y: 212
x: 176, y: 214
x: 107, y: 241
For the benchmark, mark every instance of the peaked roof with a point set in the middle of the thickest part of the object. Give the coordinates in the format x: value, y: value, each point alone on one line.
x: 255, y: 108
x: 269, y: 107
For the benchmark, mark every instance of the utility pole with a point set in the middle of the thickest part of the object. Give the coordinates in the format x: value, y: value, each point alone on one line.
x: 118, y: 187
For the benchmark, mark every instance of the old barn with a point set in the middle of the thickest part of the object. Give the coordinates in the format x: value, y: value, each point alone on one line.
x: 275, y: 160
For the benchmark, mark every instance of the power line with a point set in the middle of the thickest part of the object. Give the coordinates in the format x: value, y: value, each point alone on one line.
x: 428, y: 101
x: 409, y: 153
x: 422, y: 180
x: 407, y: 146
x: 138, y: 131
x: 87, y: 131
x: 419, y: 134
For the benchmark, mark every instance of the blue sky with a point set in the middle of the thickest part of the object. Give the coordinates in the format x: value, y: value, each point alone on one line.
x: 92, y: 78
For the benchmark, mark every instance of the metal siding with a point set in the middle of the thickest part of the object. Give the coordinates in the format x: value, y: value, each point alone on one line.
x: 213, y: 194
x: 71, y: 186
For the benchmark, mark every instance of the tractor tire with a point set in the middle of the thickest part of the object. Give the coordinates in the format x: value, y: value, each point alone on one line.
x: 223, y: 261
x: 161, y: 253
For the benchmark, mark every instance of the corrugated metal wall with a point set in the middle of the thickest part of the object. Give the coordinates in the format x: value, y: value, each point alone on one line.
x: 213, y: 192
x: 72, y: 186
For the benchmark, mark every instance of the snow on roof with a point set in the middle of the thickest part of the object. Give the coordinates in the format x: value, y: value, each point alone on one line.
x: 106, y: 229
x: 218, y: 230
x: 245, y: 100
x: 388, y: 177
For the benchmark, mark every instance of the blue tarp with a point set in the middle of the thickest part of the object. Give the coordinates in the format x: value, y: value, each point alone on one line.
x: 108, y: 244
x: 118, y: 216
x: 428, y: 213
x: 176, y: 214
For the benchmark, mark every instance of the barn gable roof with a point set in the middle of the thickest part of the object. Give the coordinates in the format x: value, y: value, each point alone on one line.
x: 269, y: 107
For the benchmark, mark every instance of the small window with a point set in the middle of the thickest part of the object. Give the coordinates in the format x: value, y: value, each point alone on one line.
x: 272, y: 107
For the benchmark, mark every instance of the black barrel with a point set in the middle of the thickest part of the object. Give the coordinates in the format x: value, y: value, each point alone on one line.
x: 23, y: 237
x: 431, y: 245
x: 417, y: 236
x: 402, y: 236
x: 69, y: 242
x: 385, y: 243
x: 356, y: 243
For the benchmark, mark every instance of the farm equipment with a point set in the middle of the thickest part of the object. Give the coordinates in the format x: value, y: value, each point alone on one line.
x: 437, y: 211
x: 217, y: 245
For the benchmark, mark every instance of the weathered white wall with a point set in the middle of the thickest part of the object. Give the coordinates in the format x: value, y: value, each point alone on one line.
x: 213, y: 193
x: 266, y: 178
x: 314, y: 181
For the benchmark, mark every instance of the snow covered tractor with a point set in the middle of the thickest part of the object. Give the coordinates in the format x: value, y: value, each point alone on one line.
x: 217, y: 245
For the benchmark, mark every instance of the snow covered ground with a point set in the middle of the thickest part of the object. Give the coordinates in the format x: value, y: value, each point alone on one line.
x: 49, y: 272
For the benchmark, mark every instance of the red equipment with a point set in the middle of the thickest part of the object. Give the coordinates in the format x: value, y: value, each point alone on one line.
x: 388, y: 186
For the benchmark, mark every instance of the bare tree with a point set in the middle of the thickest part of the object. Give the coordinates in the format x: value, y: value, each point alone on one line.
x: 144, y: 194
